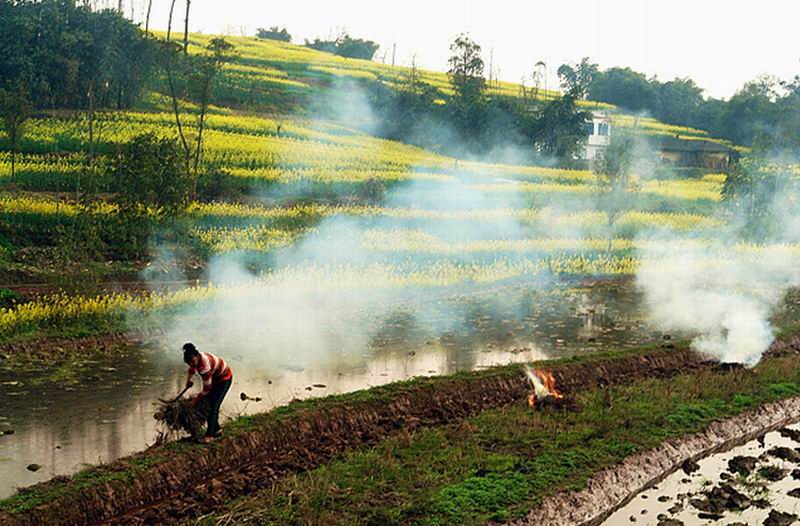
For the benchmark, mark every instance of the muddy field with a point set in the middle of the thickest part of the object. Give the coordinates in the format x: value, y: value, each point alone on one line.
x: 165, y: 485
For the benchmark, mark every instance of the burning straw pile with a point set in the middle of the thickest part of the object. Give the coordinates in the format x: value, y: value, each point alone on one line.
x: 544, y: 392
x: 181, y: 415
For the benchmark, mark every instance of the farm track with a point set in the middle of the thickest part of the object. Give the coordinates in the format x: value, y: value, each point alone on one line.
x: 186, y: 484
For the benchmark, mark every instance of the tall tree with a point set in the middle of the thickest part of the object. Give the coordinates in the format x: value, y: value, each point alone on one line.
x: 575, y: 78
x: 147, y: 17
x: 205, y: 72
x: 169, y: 20
x: 560, y: 130
x: 193, y: 77
x: 186, y: 28
x: 469, y: 85
x: 613, y: 173
x: 15, y: 110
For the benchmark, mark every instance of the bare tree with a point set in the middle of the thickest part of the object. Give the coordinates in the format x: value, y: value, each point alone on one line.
x: 147, y: 18
x: 169, y: 21
x: 186, y: 28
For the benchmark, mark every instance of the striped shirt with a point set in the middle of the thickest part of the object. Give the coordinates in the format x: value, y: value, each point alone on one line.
x: 211, y: 369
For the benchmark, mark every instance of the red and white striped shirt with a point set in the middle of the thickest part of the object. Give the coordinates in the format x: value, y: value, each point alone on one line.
x: 211, y: 369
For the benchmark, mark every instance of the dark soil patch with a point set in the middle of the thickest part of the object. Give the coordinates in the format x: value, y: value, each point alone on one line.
x: 785, y: 453
x: 777, y: 518
x: 773, y: 473
x: 689, y: 466
x: 742, y: 465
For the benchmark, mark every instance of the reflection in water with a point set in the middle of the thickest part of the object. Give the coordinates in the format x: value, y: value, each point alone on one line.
x: 62, y: 429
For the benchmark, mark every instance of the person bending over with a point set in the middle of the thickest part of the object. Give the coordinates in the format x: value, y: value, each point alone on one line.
x: 217, y: 379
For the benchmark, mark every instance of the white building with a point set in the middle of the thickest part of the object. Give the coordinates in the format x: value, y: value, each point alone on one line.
x: 599, y: 136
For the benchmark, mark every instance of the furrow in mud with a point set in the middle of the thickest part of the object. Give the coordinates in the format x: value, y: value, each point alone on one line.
x: 185, y: 484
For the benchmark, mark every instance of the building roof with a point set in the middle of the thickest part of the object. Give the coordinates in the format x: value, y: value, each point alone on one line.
x: 675, y: 143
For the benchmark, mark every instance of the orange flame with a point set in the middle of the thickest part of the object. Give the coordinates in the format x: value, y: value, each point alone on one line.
x: 544, y: 386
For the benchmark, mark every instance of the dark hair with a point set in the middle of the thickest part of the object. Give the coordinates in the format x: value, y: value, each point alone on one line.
x: 189, y: 351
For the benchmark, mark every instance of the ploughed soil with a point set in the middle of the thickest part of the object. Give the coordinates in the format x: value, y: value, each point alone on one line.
x: 175, y: 482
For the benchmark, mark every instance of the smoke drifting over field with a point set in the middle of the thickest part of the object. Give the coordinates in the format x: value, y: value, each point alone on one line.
x: 329, y: 296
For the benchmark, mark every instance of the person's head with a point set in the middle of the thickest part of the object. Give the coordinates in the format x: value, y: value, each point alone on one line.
x: 190, y: 353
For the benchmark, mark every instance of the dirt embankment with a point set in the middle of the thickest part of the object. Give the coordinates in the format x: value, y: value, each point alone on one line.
x: 187, y: 483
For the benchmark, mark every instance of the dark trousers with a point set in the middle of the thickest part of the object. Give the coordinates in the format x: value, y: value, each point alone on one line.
x: 215, y: 397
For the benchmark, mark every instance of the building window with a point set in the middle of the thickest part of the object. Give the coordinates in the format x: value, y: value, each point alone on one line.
x: 602, y: 128
x: 589, y: 128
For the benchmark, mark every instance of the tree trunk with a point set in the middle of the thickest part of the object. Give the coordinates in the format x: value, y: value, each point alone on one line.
x: 147, y: 18
x: 91, y: 123
x: 186, y: 29
x: 119, y: 7
x: 169, y: 22
x: 200, y: 127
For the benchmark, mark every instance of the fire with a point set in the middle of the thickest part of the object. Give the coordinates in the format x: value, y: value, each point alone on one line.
x: 544, y: 385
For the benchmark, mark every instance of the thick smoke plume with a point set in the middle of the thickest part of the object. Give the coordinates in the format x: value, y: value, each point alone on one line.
x: 722, y: 291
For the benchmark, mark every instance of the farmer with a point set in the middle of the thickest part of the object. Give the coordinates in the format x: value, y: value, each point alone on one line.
x: 217, y: 379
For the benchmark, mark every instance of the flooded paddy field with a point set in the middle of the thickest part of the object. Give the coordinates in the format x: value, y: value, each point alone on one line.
x: 752, y: 484
x: 105, y: 411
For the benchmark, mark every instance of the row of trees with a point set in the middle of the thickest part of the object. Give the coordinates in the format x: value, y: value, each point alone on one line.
x: 153, y: 178
x: 765, y: 110
x: 63, y: 54
x: 472, y: 120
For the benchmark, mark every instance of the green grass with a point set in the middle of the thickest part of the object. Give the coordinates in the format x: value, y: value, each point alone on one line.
x: 499, y: 463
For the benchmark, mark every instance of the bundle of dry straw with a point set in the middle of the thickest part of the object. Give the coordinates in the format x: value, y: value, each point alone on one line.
x: 182, y: 415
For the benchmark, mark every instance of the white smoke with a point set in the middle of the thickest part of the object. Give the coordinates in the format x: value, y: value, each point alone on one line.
x: 723, y: 292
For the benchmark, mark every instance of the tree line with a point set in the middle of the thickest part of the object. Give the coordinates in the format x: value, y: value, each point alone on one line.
x: 764, y: 111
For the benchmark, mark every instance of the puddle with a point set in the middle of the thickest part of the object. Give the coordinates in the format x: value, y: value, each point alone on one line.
x: 672, y: 498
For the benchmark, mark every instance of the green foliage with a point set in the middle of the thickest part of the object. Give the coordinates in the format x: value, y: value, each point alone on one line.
x: 273, y: 33
x: 8, y: 298
x: 575, y: 79
x: 148, y: 174
x: 760, y: 194
x: 560, y: 130
x: 466, y: 77
x: 15, y: 110
x: 346, y: 46
x: 491, y: 493
x: 625, y: 88
x: 60, y: 49
x: 613, y: 177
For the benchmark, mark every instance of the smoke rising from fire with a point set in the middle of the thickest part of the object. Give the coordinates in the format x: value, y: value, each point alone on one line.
x: 723, y: 291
